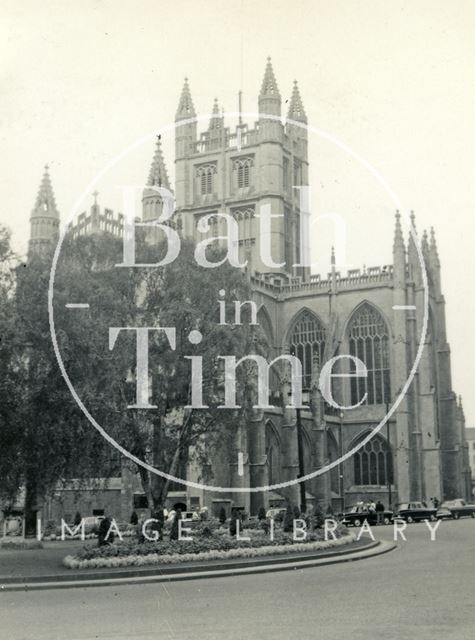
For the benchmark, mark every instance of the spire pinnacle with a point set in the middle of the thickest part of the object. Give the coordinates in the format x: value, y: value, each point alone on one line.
x: 216, y: 120
x: 333, y: 257
x: 425, y: 247
x: 398, y: 237
x: 269, y: 86
x: 185, y: 108
x: 433, y: 251
x: 158, y: 172
x: 45, y: 205
x: 412, y: 253
x: 296, y: 110
x: 269, y: 96
x: 44, y: 220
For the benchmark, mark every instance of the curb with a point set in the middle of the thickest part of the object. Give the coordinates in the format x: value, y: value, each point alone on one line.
x: 170, y: 574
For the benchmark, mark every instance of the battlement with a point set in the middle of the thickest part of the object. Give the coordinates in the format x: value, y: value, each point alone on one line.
x: 354, y: 279
x: 96, y: 221
x: 236, y: 138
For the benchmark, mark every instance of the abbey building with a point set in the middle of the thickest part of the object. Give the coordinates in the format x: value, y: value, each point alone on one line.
x: 375, y: 314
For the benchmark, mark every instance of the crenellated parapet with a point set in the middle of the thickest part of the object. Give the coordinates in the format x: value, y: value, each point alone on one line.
x: 97, y: 221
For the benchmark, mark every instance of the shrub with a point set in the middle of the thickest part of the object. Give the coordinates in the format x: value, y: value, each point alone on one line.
x: 134, y: 519
x: 77, y: 518
x: 222, y: 515
x: 296, y: 512
x: 288, y: 524
x: 261, y: 514
x: 216, y: 548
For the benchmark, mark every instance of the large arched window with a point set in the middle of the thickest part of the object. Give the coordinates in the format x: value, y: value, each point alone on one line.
x: 369, y: 341
x: 306, y: 341
x: 373, y: 463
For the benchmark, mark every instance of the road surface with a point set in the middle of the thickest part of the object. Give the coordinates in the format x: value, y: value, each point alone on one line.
x: 423, y: 590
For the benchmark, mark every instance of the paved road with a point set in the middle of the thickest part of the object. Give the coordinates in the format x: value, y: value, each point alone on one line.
x: 423, y: 590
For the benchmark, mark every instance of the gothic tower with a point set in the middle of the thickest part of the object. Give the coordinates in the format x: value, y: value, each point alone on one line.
x: 44, y: 219
x: 239, y: 171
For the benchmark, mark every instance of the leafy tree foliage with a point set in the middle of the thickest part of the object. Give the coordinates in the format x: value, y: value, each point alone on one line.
x: 45, y: 435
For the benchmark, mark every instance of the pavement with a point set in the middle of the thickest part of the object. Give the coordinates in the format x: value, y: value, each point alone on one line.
x: 423, y: 590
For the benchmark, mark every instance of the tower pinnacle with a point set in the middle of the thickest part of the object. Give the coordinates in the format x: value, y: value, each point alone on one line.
x: 433, y: 252
x: 185, y: 108
x: 269, y: 96
x: 412, y: 252
x: 44, y: 219
x: 398, y: 237
x: 158, y: 172
x: 152, y: 201
x: 296, y: 110
x: 216, y: 121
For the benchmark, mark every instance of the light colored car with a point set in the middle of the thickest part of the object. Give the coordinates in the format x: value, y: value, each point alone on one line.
x: 457, y: 508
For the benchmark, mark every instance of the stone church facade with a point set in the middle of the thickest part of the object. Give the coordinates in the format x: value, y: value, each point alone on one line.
x: 421, y: 452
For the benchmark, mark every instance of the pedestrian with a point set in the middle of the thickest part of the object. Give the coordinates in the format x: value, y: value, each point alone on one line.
x: 379, y: 512
x: 104, y: 537
x: 139, y: 529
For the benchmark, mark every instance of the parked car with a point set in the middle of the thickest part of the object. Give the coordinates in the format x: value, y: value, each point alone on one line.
x: 443, y: 512
x: 456, y: 509
x: 415, y: 512
x: 357, y: 515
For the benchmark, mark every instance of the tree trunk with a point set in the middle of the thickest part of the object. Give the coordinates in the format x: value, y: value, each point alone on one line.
x: 30, y: 507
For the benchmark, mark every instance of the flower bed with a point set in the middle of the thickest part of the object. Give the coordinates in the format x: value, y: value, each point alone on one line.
x: 216, y: 547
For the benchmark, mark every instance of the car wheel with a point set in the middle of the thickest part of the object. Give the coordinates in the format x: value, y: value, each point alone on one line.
x: 409, y: 519
x: 456, y: 515
x: 387, y: 520
x: 356, y: 522
x: 472, y: 513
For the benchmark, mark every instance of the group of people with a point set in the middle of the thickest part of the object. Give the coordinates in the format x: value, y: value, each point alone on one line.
x: 373, y: 507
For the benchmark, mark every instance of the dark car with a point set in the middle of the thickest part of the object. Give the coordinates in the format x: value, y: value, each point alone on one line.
x: 415, y: 512
x: 357, y: 515
x: 456, y: 508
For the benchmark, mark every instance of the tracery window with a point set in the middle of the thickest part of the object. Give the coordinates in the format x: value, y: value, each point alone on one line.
x: 369, y: 341
x: 205, y: 175
x: 307, y: 340
x: 242, y: 166
x: 373, y: 463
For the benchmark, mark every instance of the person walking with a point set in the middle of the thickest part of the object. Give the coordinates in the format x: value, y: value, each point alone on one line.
x: 104, y: 537
x: 379, y: 512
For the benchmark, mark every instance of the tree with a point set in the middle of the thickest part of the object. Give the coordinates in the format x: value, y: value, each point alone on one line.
x: 54, y: 441
x: 12, y: 377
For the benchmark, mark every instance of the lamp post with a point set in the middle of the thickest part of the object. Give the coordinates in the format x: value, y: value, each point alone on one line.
x: 303, y: 497
x: 388, y: 478
x: 340, y: 466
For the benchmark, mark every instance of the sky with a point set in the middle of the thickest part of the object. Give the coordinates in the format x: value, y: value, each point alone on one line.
x: 391, y: 83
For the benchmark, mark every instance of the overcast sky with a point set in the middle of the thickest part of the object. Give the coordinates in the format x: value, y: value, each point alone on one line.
x: 394, y: 81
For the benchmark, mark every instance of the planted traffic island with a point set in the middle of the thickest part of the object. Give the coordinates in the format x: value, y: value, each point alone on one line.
x: 204, y: 544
